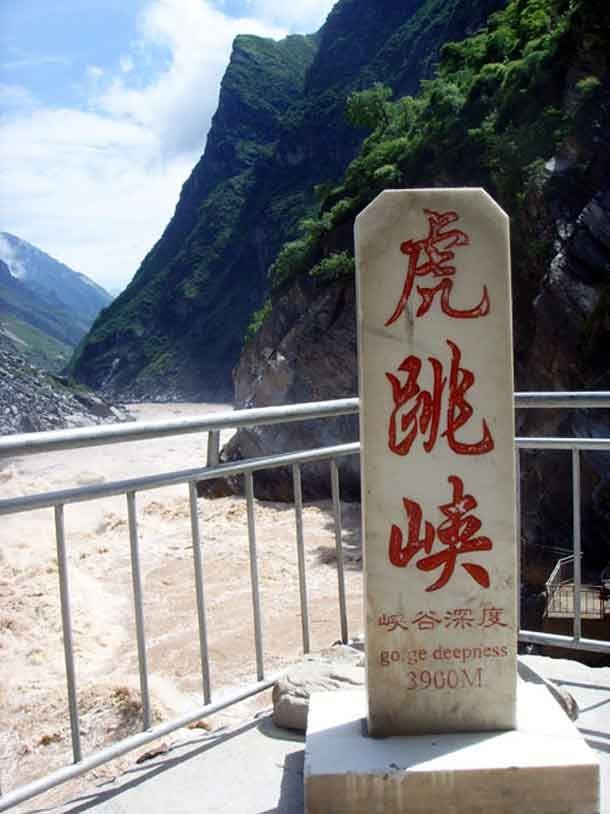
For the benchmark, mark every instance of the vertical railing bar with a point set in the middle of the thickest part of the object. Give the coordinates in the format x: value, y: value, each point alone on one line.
x: 256, y: 603
x: 213, y: 453
x: 136, y: 578
x: 298, y: 513
x: 198, y: 565
x: 66, y: 624
x: 518, y: 531
x: 334, y: 482
x: 577, y: 630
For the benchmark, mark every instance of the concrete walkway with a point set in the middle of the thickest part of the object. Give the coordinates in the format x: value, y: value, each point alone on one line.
x: 253, y: 768
x: 258, y: 769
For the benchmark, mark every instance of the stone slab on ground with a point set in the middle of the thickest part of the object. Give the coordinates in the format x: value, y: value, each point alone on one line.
x: 342, y: 668
x: 590, y: 686
x: 542, y: 767
x: 339, y: 667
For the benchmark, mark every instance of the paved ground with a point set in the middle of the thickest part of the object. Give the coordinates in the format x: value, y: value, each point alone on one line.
x: 258, y: 769
x: 591, y: 689
x: 254, y: 768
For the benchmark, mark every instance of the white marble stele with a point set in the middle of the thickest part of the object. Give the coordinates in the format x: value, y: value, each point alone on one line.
x: 542, y: 767
x: 437, y: 458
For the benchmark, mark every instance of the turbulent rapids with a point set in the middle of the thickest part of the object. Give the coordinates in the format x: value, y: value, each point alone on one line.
x: 34, y: 719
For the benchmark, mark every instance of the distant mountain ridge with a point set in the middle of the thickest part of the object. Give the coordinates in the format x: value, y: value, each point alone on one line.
x: 45, y: 306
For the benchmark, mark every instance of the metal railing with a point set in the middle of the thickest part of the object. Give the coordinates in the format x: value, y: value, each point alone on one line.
x: 27, y: 444
x: 560, y: 602
x: 563, y: 572
x: 584, y: 400
x: 561, y: 594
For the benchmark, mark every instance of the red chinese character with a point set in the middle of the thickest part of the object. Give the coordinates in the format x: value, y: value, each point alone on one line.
x: 456, y: 534
x: 430, y: 257
x: 423, y: 409
x: 460, y: 618
x: 402, y: 556
x: 393, y: 621
x: 492, y: 617
x: 426, y: 621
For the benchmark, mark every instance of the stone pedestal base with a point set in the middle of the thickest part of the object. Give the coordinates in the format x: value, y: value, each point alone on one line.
x: 542, y: 767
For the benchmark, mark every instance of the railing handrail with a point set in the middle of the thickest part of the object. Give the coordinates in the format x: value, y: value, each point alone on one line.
x: 580, y: 400
x: 80, y: 494
x: 34, y: 443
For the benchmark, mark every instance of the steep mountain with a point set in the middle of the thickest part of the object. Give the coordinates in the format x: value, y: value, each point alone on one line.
x: 44, y: 305
x: 278, y: 142
x: 523, y: 109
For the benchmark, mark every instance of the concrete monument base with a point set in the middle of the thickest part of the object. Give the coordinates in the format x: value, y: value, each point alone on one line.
x: 542, y: 767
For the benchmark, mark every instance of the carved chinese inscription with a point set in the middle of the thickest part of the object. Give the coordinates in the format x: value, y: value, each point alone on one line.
x: 429, y: 258
x: 455, y: 533
x: 426, y: 412
x: 437, y: 461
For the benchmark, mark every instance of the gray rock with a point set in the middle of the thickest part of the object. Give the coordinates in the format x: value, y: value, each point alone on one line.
x: 32, y: 400
x: 342, y: 667
x: 305, y: 352
x: 565, y: 699
x: 339, y: 667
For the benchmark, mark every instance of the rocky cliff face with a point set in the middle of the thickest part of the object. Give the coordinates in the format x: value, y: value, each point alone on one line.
x: 279, y: 131
x: 305, y: 352
x: 306, y: 349
x: 33, y: 400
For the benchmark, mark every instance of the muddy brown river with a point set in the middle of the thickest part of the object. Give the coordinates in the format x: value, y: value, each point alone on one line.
x: 34, y: 725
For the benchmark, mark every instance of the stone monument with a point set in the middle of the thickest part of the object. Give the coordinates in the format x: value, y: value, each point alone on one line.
x: 437, y: 457
x: 442, y: 724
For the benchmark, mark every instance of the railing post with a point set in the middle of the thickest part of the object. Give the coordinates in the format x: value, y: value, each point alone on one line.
x: 66, y: 624
x: 518, y: 530
x: 201, y: 617
x: 138, y: 608
x: 334, y: 481
x: 298, y: 511
x: 577, y: 542
x: 256, y: 602
x: 213, y: 453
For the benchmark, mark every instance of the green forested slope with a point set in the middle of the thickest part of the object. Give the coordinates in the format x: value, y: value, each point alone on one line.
x: 521, y: 108
x: 278, y: 142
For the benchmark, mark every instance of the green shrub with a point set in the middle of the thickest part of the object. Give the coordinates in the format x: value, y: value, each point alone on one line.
x: 339, y: 264
x: 258, y: 319
x: 295, y: 257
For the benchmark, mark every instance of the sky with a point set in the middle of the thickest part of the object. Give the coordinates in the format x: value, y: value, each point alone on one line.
x: 104, y: 110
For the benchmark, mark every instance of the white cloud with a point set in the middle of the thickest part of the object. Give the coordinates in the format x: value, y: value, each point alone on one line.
x: 94, y: 72
x: 126, y: 63
x: 15, y: 97
x: 90, y: 191
x: 179, y: 105
x: 7, y: 255
x: 96, y: 188
x: 34, y: 61
x: 303, y: 16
